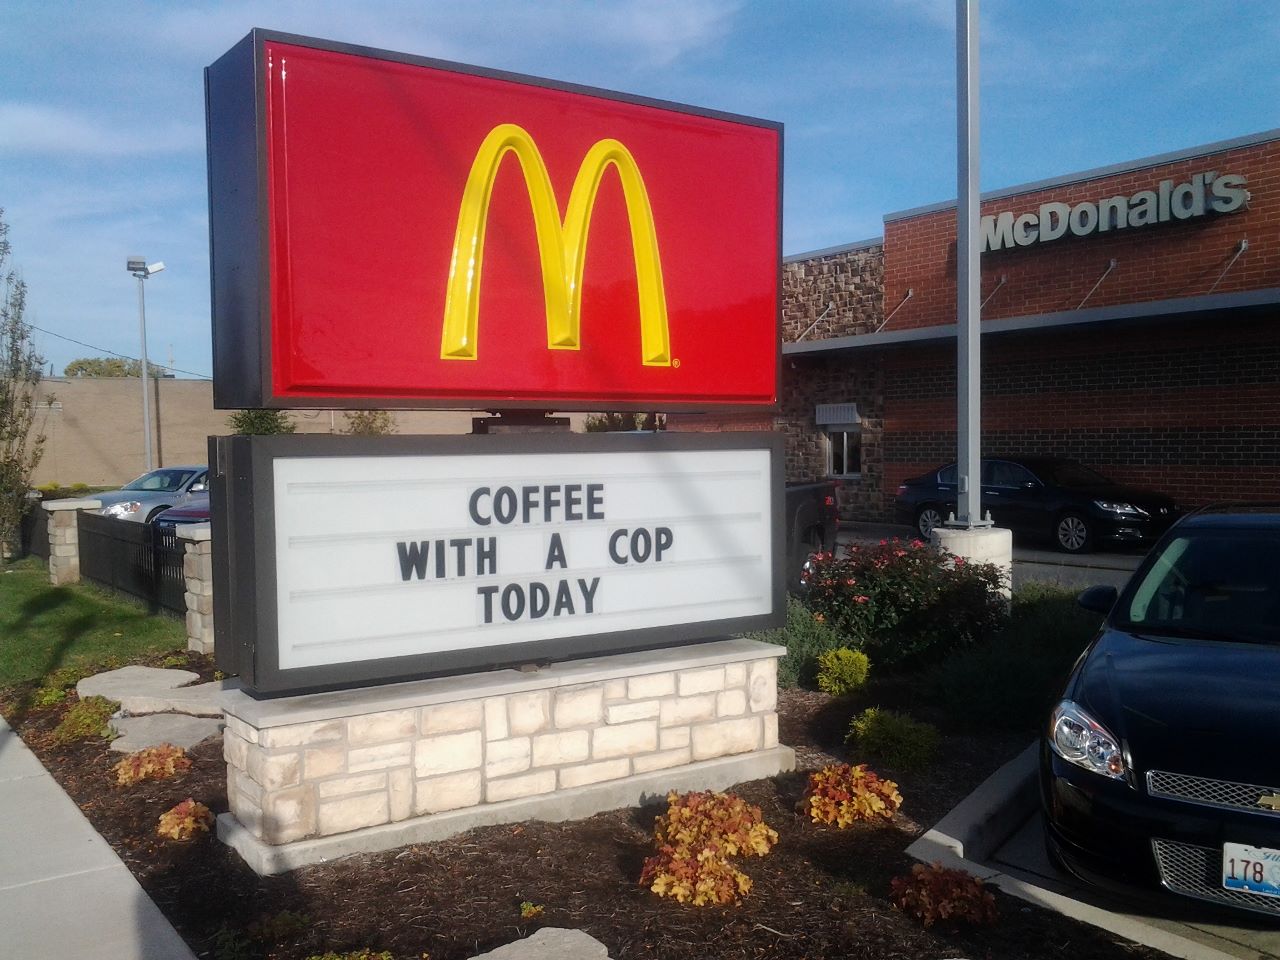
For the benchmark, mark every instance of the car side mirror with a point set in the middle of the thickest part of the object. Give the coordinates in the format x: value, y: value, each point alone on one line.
x: 1098, y: 599
x: 198, y: 488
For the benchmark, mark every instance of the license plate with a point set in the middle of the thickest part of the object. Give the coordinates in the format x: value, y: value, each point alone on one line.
x: 1251, y: 869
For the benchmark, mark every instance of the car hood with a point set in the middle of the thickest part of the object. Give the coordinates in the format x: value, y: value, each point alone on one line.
x: 1198, y: 707
x: 142, y: 496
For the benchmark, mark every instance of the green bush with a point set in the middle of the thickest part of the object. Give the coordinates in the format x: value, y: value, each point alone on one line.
x: 1011, y: 680
x: 806, y: 635
x: 259, y: 422
x: 906, y: 602
x: 894, y: 739
x: 85, y: 719
x: 842, y: 671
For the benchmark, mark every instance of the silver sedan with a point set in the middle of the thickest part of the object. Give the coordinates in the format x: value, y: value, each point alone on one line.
x: 154, y: 492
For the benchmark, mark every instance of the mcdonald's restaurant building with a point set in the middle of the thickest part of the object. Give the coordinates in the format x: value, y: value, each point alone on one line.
x: 1130, y: 320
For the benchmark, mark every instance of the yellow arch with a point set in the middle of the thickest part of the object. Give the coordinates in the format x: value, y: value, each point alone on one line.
x: 562, y: 246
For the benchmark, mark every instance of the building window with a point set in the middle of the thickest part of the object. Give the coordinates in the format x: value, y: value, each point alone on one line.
x: 844, y: 449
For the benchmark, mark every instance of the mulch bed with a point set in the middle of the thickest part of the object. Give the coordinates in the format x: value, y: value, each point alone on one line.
x: 821, y: 893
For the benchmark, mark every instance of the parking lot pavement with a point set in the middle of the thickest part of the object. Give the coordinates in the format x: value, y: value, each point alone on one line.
x: 1031, y: 564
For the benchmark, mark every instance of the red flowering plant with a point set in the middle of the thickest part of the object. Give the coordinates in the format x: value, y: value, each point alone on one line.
x: 905, y: 600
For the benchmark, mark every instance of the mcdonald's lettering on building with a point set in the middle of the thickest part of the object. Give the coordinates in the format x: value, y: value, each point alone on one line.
x: 393, y: 231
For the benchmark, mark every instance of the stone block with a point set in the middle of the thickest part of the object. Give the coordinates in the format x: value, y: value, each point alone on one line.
x: 683, y: 710
x: 550, y: 749
x: 382, y: 727
x: 578, y: 708
x: 651, y: 686
x: 453, y: 717
x: 353, y: 813
x: 321, y: 762
x: 288, y: 815
x: 615, y: 690
x: 241, y: 729
x: 514, y: 788
x: 731, y: 703
x: 735, y: 675
x: 452, y: 792
x: 248, y: 813
x: 624, y: 740
x: 447, y: 753
x: 345, y: 786
x: 663, y: 760
x: 189, y: 565
x: 631, y: 711
x: 194, y: 623
x: 381, y: 757
x: 495, y: 719
x: 763, y: 686
x: 235, y: 750
x: 240, y: 782
x: 528, y: 713
x: 587, y: 773
x: 725, y: 737
x: 64, y: 550
x: 693, y: 682
x: 505, y: 757
x: 400, y: 793
x: 201, y: 587
x: 669, y: 738
x: 770, y: 731
x: 302, y: 734
x: 276, y: 771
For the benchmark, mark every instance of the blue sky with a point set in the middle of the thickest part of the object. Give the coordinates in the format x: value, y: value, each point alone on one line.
x: 102, y: 111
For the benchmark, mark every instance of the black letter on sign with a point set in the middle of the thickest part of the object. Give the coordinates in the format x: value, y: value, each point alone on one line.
x: 413, y: 559
x: 512, y: 601
x: 539, y: 600
x: 665, y: 539
x: 589, y: 596
x: 595, y: 501
x: 613, y: 545
x: 486, y: 555
x: 473, y: 505
x: 555, y: 553
x: 487, y: 593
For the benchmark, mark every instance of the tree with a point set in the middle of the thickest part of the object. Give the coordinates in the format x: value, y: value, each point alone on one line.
x: 368, y: 423
x: 20, y: 369
x: 255, y: 422
x: 614, y: 422
x: 109, y: 367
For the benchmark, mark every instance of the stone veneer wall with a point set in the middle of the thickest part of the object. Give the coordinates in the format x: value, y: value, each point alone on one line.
x: 368, y: 759
x: 197, y: 570
x: 64, y: 538
x: 849, y: 278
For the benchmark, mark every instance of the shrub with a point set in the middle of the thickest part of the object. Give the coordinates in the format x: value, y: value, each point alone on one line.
x: 368, y: 423
x: 906, y: 601
x: 1011, y: 680
x: 185, y: 821
x: 934, y: 894
x: 530, y: 910
x: 86, y: 718
x: 48, y: 696
x: 894, y: 738
x: 842, y: 671
x: 365, y: 954
x: 695, y: 838
x: 251, y: 422
x: 153, y: 763
x: 805, y: 636
x: 284, y: 925
x: 842, y: 795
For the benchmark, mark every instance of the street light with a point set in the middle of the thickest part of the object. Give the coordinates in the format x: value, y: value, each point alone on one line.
x: 139, y: 268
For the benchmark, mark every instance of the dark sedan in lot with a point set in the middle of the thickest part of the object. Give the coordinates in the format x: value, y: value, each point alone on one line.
x: 1077, y: 508
x: 1158, y: 766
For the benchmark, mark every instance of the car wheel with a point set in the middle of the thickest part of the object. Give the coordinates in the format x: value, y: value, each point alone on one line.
x: 155, y: 513
x: 1073, y: 533
x: 927, y: 519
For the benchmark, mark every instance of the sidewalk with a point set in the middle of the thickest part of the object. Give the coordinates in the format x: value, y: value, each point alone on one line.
x: 63, y: 890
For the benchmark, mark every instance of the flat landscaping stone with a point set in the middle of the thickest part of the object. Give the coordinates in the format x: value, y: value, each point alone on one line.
x: 132, y: 681
x: 200, y: 700
x: 138, y: 733
x: 551, y: 943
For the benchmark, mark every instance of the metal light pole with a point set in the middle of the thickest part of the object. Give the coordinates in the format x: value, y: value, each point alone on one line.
x: 139, y: 268
x: 968, y: 273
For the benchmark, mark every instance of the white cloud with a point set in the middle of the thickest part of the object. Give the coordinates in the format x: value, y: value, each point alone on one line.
x: 36, y: 128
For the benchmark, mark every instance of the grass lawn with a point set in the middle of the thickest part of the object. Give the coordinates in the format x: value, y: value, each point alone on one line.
x: 43, y: 627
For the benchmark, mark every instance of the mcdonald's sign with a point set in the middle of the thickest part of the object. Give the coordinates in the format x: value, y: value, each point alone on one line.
x: 388, y: 231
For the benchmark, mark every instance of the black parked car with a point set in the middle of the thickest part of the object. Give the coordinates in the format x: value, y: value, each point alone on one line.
x: 1043, y: 497
x: 1158, y: 767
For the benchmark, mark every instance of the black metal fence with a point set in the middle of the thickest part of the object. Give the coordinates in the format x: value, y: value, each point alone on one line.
x: 34, y: 532
x: 142, y: 560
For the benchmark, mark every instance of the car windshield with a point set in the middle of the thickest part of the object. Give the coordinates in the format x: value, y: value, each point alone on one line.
x: 1067, y: 474
x: 1209, y: 584
x: 165, y: 481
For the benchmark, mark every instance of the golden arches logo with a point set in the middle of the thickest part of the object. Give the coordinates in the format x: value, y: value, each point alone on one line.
x: 562, y: 245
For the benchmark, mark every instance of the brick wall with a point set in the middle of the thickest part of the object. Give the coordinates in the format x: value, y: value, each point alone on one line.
x: 1157, y: 262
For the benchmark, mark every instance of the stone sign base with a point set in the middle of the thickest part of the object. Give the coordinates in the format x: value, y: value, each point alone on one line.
x: 314, y: 777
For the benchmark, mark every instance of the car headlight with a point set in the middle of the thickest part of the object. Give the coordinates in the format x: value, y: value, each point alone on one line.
x: 123, y: 508
x: 1078, y: 738
x: 1118, y: 506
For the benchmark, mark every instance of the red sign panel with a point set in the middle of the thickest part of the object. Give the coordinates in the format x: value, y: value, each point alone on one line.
x: 392, y: 231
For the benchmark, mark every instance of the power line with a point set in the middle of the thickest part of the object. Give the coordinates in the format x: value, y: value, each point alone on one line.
x: 152, y: 363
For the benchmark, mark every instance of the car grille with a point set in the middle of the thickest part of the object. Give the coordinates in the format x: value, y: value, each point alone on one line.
x: 1197, y: 872
x: 1210, y: 793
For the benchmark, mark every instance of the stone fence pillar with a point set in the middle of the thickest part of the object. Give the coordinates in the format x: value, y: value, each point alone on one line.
x: 64, y: 538
x: 197, y: 568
